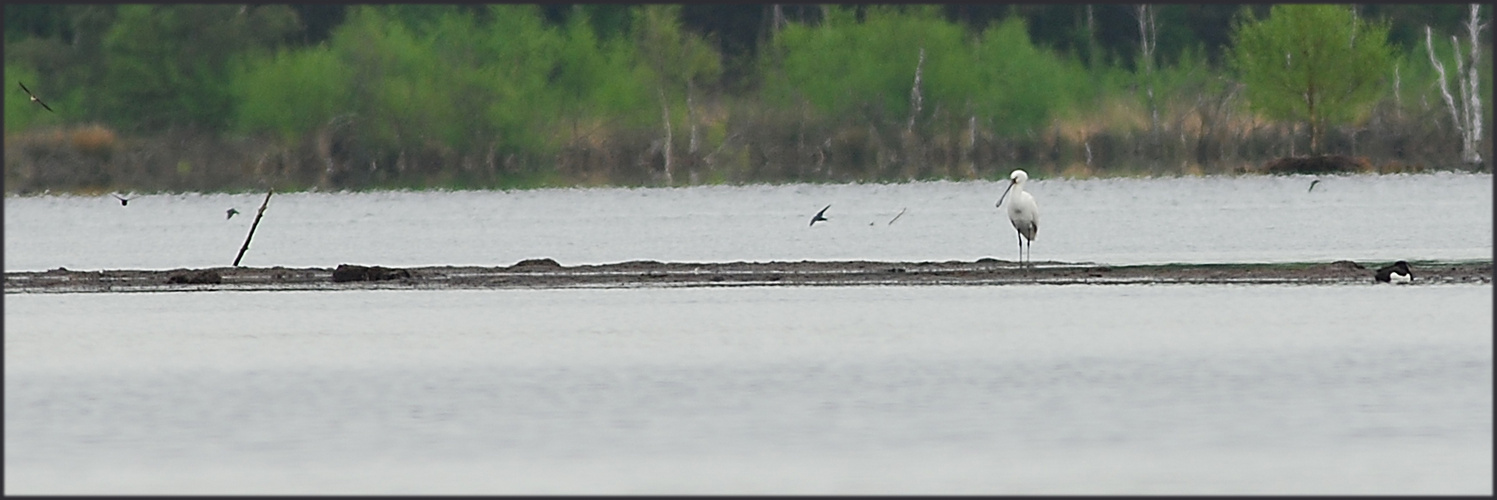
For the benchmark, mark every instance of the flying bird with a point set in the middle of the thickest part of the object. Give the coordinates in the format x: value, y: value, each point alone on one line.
x: 231, y: 213
x: 123, y: 201
x: 820, y: 216
x: 34, y: 98
x: 1022, y: 210
x: 1312, y: 185
x: 896, y: 216
x: 1398, y: 272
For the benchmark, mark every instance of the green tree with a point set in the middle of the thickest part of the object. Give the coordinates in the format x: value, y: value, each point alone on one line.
x: 1023, y: 86
x: 1316, y: 64
x: 598, y: 79
x: 679, y: 60
x: 867, y: 69
x: 291, y: 92
x: 169, y: 64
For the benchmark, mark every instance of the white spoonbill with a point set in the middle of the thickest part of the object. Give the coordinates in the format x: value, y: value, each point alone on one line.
x: 1022, y: 211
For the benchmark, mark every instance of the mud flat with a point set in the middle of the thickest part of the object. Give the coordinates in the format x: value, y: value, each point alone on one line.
x: 546, y: 273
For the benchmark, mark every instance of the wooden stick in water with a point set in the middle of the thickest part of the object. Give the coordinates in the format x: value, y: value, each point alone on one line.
x: 251, y: 235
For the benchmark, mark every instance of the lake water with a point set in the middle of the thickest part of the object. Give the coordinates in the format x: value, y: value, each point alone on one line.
x: 1444, y: 216
x: 1133, y: 389
x: 1040, y: 389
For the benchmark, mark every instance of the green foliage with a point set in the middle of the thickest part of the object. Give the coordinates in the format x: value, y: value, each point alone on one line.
x: 450, y: 80
x: 597, y: 79
x: 1319, y: 64
x: 676, y: 56
x: 291, y: 92
x: 168, y: 65
x: 1022, y: 86
x: 866, y: 70
x: 505, y: 81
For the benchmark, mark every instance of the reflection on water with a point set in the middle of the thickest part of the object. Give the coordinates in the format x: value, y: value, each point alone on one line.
x: 1443, y: 216
x: 1035, y: 389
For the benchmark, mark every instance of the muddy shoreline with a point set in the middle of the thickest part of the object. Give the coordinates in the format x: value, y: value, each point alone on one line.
x: 547, y: 274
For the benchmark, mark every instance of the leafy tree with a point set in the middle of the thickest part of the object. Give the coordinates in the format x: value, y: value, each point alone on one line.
x: 1317, y: 64
x: 846, y: 67
x: 168, y: 65
x: 400, y: 88
x: 291, y: 92
x: 597, y: 79
x: 679, y: 60
x: 1023, y: 86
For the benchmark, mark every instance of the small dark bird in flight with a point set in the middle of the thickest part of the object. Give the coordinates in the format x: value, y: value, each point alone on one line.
x: 123, y: 201
x: 1312, y: 185
x: 231, y: 213
x: 1398, y: 272
x: 820, y: 216
x: 33, y: 97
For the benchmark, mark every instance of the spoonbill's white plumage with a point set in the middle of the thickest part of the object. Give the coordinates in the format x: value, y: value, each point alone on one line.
x: 1023, y: 212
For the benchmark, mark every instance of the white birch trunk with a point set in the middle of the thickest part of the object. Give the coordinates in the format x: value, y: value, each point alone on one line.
x: 665, y: 111
x: 1472, y: 144
x: 1147, y: 36
x: 1465, y: 114
x: 691, y: 119
x: 915, y: 99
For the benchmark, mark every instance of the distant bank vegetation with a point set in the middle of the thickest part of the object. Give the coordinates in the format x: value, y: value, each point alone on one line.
x: 225, y: 97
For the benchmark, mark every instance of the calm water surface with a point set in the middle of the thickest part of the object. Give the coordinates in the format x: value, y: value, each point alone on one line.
x: 1002, y: 389
x: 1442, y: 216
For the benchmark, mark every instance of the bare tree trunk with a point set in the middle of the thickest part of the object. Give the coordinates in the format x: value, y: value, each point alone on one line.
x: 254, y: 225
x: 1315, y: 130
x: 1091, y: 25
x: 972, y: 146
x: 691, y: 119
x: 1429, y: 44
x: 1397, y: 93
x: 915, y: 99
x: 1293, y: 132
x: 1091, y: 37
x: 1148, y: 35
x: 1472, y: 145
x: 1467, y: 114
x: 665, y: 112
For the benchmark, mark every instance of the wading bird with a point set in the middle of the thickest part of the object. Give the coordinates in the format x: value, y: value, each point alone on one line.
x: 1312, y: 185
x: 33, y: 97
x: 1398, y: 272
x: 820, y: 216
x: 1022, y: 210
x: 123, y: 201
x: 231, y: 213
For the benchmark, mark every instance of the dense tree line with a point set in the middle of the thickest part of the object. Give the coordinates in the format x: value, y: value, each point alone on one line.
x: 496, y: 95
